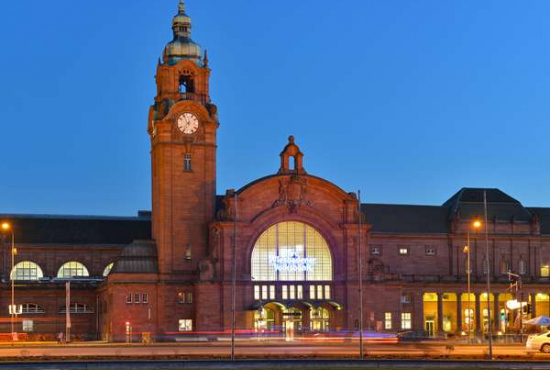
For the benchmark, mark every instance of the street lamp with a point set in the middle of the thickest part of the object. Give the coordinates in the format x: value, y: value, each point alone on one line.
x: 5, y: 227
x: 476, y: 224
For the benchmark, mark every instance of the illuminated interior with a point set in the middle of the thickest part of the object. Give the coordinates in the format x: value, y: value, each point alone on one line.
x: 291, y: 251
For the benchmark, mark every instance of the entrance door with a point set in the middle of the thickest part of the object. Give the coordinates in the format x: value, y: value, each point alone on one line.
x: 430, y: 327
x: 292, y: 322
x: 289, y: 330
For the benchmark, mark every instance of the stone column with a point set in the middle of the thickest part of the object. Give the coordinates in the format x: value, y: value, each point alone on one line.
x: 458, y: 313
x: 478, y: 313
x: 440, y: 313
x: 533, y: 304
x: 496, y: 313
x: 418, y: 316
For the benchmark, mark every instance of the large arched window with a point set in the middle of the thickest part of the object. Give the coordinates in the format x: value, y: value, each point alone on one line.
x: 26, y: 270
x: 291, y: 251
x: 108, y: 269
x: 72, y: 269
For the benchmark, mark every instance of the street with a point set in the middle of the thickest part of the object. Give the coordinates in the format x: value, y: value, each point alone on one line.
x: 247, y: 350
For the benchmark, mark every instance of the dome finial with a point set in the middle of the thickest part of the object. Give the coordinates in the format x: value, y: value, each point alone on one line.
x: 181, y: 7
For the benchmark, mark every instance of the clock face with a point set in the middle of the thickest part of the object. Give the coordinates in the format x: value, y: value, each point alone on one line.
x: 188, y: 123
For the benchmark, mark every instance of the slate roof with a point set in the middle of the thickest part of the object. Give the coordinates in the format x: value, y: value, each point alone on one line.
x: 49, y: 229
x: 500, y: 206
x: 396, y: 218
x: 544, y: 218
x: 138, y: 257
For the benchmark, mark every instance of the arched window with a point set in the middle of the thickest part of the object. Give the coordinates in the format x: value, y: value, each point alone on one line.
x: 186, y: 85
x: 291, y: 251
x: 31, y: 308
x: 108, y: 269
x: 72, y: 269
x: 26, y: 270
x: 522, y: 267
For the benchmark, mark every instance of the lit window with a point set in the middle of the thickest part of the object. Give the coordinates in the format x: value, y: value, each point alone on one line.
x: 145, y: 298
x: 312, y: 292
x: 181, y: 297
x: 264, y: 292
x: 189, y: 297
x: 387, y: 321
x: 300, y: 292
x: 545, y: 271
x: 319, y: 319
x: 136, y: 297
x: 129, y: 297
x: 72, y: 269
x: 327, y: 291
x: 375, y: 251
x: 257, y: 292
x: 185, y: 325
x: 406, y: 322
x: 403, y: 251
x: 319, y: 292
x: 285, y: 292
x: 27, y: 326
x: 108, y: 269
x: 287, y: 245
x: 430, y: 251
x: 292, y: 292
x: 27, y: 270
x: 30, y: 308
x: 272, y: 292
x: 187, y: 163
x: 188, y: 252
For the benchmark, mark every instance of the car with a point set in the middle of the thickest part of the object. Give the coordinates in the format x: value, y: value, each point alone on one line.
x: 539, y: 342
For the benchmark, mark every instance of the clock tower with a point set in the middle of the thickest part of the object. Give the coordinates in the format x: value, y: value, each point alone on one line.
x: 182, y: 126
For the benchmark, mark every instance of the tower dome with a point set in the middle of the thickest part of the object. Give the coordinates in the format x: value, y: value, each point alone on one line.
x: 182, y: 47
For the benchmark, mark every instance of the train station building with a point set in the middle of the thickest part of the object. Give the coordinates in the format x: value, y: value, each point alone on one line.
x: 294, y: 241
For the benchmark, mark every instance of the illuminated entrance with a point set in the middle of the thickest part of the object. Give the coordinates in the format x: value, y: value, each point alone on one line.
x: 291, y: 271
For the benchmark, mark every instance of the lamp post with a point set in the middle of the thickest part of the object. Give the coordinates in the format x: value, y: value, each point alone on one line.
x: 489, y: 328
x: 5, y: 227
x: 476, y: 225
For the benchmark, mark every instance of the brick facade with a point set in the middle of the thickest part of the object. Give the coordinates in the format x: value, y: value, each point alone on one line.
x: 175, y: 264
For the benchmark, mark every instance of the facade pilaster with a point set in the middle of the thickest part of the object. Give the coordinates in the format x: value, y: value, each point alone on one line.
x: 440, y: 314
x: 478, y: 313
x: 458, y: 313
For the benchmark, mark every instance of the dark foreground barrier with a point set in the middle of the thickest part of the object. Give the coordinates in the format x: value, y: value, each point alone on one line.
x: 275, y: 364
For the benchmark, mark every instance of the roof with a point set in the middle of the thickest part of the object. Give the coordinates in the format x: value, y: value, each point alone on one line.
x: 59, y: 229
x: 544, y: 218
x: 139, y: 257
x: 469, y: 203
x: 396, y: 218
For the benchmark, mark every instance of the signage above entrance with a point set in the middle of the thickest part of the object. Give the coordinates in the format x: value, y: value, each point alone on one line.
x: 292, y: 263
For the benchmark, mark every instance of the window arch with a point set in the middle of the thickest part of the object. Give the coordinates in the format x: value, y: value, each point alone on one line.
x: 72, y: 269
x: 108, y: 269
x: 291, y: 251
x: 26, y: 270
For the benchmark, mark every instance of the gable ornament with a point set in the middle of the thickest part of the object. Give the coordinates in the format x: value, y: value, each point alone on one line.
x: 292, y: 193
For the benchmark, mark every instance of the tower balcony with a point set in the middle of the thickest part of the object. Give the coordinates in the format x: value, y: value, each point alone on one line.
x: 199, y: 98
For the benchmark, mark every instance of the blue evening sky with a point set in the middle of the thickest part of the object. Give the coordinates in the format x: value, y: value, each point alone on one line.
x: 406, y: 100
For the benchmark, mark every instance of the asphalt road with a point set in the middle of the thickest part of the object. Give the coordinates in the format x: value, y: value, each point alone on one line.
x: 259, y: 350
